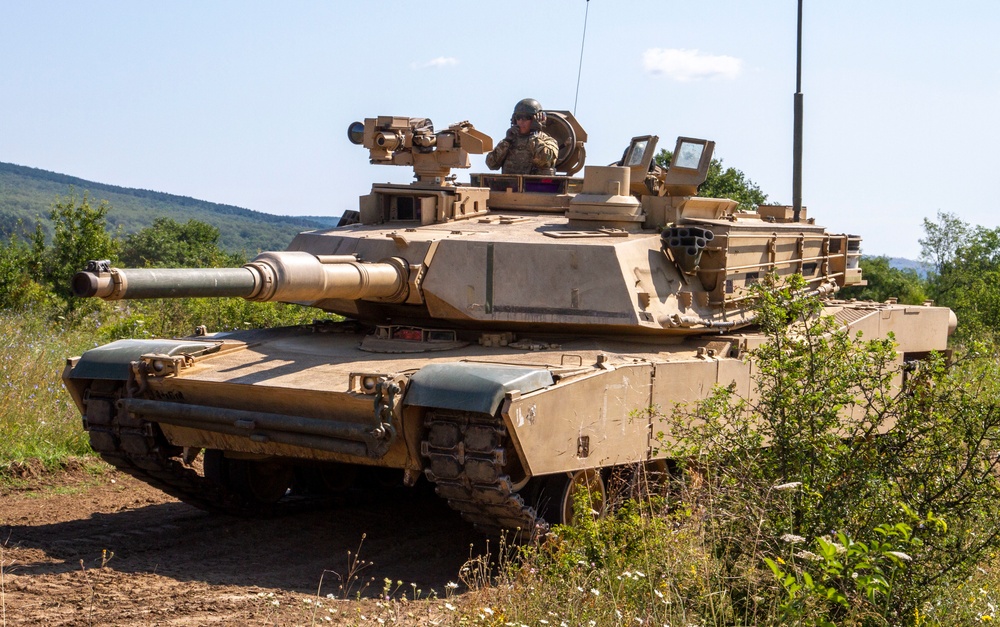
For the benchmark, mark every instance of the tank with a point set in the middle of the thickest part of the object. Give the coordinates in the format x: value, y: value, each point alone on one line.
x: 502, y: 339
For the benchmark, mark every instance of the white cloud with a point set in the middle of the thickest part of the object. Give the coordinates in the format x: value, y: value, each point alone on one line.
x: 437, y: 62
x: 690, y: 65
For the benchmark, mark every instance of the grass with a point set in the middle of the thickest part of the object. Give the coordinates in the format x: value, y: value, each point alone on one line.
x: 645, y: 565
x: 39, y: 420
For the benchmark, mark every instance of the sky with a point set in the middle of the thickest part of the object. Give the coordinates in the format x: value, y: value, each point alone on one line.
x: 247, y: 103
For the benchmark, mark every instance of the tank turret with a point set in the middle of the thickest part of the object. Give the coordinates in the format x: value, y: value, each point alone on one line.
x: 504, y: 338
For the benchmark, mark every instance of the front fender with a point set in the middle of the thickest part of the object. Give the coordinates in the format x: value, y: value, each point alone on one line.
x: 474, y: 387
x: 111, y: 361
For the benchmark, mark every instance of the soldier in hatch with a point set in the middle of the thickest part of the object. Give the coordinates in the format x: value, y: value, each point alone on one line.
x: 526, y: 149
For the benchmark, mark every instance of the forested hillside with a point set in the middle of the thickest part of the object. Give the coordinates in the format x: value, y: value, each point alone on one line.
x: 28, y: 194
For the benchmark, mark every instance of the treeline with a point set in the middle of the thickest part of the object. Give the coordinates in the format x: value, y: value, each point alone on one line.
x: 36, y: 271
x: 26, y: 195
x: 963, y: 263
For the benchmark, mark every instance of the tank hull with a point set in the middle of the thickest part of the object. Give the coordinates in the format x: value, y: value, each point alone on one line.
x: 541, y: 407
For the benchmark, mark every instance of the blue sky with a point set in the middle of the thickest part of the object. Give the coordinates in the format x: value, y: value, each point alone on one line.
x: 247, y: 103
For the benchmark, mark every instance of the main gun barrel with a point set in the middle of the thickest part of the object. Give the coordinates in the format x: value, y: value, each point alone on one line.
x: 287, y: 276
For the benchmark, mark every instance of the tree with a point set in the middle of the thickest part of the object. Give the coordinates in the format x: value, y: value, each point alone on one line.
x: 941, y: 241
x: 885, y: 282
x: 79, y: 235
x: 723, y: 183
x: 19, y: 276
x: 170, y: 244
x: 966, y: 274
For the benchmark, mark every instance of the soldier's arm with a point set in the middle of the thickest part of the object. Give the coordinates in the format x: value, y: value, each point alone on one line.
x: 544, y: 151
x: 496, y: 157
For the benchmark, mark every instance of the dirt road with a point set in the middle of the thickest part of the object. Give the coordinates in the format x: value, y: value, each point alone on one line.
x: 84, y: 548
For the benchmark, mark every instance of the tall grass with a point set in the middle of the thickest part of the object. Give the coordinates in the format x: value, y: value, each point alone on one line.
x: 646, y: 564
x: 653, y: 563
x: 38, y: 420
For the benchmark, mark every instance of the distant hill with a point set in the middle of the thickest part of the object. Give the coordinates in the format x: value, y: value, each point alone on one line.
x: 327, y: 221
x: 27, y: 194
x: 901, y: 263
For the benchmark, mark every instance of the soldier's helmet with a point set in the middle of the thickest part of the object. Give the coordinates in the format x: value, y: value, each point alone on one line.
x: 528, y: 107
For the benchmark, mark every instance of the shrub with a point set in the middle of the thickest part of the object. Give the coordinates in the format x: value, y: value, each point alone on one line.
x: 832, y: 451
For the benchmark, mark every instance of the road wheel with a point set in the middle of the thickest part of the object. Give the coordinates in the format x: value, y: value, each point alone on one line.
x: 581, y: 489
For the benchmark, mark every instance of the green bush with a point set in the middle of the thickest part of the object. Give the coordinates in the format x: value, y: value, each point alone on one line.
x: 834, y: 495
x: 831, y: 451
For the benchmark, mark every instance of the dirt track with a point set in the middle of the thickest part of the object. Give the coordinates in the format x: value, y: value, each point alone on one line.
x: 166, y: 563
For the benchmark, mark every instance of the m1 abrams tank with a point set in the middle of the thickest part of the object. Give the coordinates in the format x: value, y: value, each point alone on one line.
x: 502, y: 340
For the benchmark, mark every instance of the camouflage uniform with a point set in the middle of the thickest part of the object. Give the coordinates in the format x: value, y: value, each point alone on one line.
x: 534, y: 153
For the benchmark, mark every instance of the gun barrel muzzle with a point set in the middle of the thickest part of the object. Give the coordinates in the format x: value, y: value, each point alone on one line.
x: 166, y: 283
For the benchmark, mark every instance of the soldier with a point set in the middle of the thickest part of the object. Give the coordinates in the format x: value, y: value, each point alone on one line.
x: 526, y: 149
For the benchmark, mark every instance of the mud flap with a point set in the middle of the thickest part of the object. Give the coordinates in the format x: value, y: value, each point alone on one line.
x: 472, y: 387
x: 111, y: 361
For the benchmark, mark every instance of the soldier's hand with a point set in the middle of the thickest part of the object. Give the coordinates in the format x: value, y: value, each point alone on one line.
x: 512, y: 133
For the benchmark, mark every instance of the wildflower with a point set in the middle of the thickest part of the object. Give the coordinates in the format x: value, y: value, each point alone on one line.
x: 488, y: 611
x: 808, y: 555
x: 791, y: 538
x: 451, y: 585
x: 658, y: 593
x: 595, y: 592
x: 780, y: 561
x: 449, y: 607
x: 986, y: 618
x: 900, y: 555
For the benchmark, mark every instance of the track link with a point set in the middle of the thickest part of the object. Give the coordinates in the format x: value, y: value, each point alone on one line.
x: 138, y: 448
x: 467, y: 458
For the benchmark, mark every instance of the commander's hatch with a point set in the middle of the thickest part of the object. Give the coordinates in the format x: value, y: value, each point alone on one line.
x: 542, y: 192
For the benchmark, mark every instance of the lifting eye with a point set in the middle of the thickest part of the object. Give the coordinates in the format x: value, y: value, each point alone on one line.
x: 364, y: 382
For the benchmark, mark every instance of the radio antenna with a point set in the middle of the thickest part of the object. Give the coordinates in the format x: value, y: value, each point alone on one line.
x: 580, y: 70
x: 797, y: 124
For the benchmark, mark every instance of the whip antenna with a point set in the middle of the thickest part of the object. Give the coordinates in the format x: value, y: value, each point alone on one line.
x: 580, y: 70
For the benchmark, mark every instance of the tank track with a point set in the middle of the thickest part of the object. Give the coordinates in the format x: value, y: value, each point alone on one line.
x: 467, y: 463
x: 136, y: 447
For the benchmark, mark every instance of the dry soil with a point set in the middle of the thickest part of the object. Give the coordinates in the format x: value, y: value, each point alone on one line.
x: 86, y: 548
